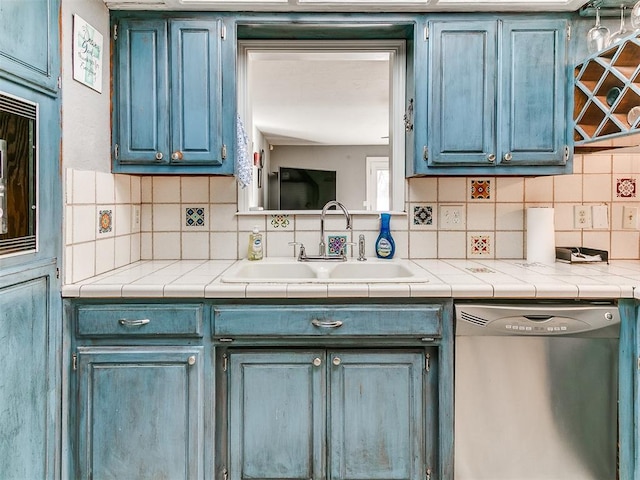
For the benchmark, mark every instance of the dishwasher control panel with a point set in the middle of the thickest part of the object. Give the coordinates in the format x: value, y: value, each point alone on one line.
x: 531, y: 319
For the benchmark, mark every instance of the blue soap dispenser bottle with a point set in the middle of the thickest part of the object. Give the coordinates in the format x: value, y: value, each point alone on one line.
x: 385, y: 246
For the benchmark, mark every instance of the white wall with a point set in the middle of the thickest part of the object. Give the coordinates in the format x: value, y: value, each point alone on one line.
x: 86, y: 115
x: 348, y: 161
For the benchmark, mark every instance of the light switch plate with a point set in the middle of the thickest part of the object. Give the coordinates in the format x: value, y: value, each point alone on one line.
x: 630, y: 218
x: 600, y: 216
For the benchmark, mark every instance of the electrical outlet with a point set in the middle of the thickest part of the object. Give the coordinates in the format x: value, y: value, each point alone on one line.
x: 581, y: 216
x: 630, y: 218
x: 452, y: 217
x: 135, y: 218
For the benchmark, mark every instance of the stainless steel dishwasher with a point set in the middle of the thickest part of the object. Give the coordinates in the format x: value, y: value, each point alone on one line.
x: 536, y: 390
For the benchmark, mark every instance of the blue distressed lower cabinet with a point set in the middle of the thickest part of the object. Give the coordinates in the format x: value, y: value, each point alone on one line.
x: 140, y: 412
x: 360, y: 414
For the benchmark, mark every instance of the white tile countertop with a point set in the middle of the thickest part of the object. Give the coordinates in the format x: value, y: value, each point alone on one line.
x: 460, y: 279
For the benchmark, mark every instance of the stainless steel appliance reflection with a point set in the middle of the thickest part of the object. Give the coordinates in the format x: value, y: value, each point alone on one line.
x: 536, y: 391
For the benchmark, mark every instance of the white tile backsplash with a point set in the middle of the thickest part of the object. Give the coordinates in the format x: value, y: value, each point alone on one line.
x: 162, y: 233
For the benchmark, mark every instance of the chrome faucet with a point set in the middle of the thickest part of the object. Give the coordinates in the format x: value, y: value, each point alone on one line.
x: 331, y: 203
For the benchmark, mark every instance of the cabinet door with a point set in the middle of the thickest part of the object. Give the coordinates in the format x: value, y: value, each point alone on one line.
x: 377, y: 423
x: 28, y: 380
x: 140, y: 413
x: 533, y: 103
x: 196, y: 92
x: 29, y: 41
x: 462, y: 93
x: 142, y: 92
x: 277, y: 415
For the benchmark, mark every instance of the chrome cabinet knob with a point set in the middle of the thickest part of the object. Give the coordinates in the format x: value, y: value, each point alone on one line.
x: 491, y: 157
x: 507, y: 157
x: 336, y: 361
x: 159, y: 156
x: 317, y: 362
x: 191, y: 360
x: 177, y: 155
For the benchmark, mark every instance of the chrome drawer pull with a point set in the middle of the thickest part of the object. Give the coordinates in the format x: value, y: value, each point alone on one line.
x: 133, y: 323
x: 326, y: 323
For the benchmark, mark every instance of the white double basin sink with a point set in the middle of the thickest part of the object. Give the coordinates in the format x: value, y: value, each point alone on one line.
x: 285, y: 270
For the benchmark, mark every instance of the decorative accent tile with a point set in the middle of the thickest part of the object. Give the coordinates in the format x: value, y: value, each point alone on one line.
x: 105, y: 221
x: 337, y: 244
x: 480, y: 189
x: 194, y: 217
x: 480, y: 244
x: 480, y: 270
x: 423, y: 215
x: 280, y: 221
x: 626, y: 187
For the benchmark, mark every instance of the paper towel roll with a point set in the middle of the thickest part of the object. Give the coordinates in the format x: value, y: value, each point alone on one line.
x: 541, y: 241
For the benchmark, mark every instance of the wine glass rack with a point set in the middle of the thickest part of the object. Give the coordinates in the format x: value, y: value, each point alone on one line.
x: 607, y: 87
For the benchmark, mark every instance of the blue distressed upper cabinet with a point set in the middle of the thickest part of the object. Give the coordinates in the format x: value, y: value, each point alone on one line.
x: 360, y: 414
x: 29, y: 42
x: 497, y: 97
x: 168, y: 97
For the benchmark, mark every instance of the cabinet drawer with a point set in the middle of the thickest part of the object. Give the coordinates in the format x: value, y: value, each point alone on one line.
x: 319, y: 321
x: 139, y: 320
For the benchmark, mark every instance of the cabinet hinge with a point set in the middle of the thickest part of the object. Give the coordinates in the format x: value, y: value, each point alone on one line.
x: 428, y: 474
x: 425, y: 153
x: 225, y: 474
x: 566, y: 153
x: 59, y: 83
x: 115, y: 32
x: 74, y: 361
x: 638, y: 363
x: 57, y: 272
x: 224, y: 152
x: 223, y: 32
x: 427, y: 362
x: 568, y: 32
x: 225, y: 362
x: 115, y: 151
x: 426, y: 33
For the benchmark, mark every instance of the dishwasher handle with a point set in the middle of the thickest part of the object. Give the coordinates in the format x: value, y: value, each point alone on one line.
x: 538, y: 318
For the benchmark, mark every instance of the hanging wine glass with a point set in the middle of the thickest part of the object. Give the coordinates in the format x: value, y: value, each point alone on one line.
x: 635, y: 16
x: 598, y: 36
x: 623, y: 32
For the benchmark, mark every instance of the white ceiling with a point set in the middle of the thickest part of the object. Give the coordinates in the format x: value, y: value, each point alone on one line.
x: 332, y: 98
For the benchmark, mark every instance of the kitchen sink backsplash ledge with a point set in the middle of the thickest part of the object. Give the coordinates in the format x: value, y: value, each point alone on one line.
x: 112, y: 220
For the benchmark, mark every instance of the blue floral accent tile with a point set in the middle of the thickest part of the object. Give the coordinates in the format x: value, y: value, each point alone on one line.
x: 337, y: 244
x: 194, y: 217
x: 423, y: 215
x: 105, y: 221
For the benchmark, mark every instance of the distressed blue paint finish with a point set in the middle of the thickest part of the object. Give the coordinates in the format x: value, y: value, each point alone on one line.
x: 142, y: 93
x: 497, y: 97
x: 140, y: 412
x: 377, y: 416
x: 534, y: 113
x: 196, y: 91
x: 29, y: 43
x: 139, y: 320
x: 629, y: 395
x: 463, y: 57
x: 170, y: 113
x: 276, y: 415
x: 363, y: 320
x: 27, y: 380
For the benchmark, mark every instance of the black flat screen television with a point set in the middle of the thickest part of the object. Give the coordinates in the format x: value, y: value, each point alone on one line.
x: 306, y: 189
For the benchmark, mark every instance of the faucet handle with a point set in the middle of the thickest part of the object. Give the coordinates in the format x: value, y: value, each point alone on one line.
x: 301, y: 253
